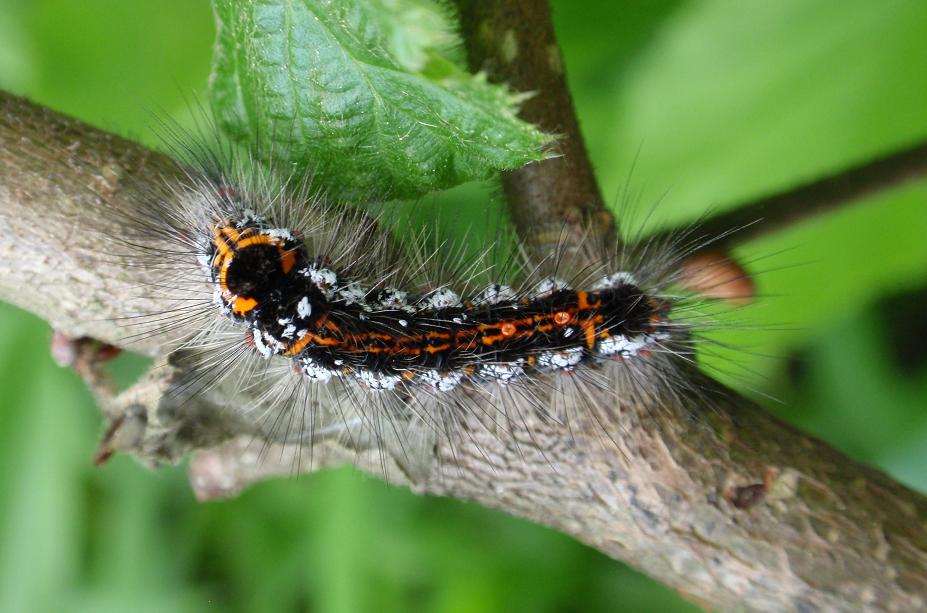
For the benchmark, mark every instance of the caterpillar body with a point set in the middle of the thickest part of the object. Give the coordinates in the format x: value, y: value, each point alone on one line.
x: 297, y: 307
x: 326, y: 323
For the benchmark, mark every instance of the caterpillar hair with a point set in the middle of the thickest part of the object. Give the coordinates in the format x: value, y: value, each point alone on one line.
x: 314, y: 313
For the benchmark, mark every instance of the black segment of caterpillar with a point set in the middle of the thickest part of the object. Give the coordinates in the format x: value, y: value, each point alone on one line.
x: 296, y: 306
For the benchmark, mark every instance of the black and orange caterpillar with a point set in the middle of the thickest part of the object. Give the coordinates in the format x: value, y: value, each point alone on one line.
x: 295, y: 305
x: 361, y: 326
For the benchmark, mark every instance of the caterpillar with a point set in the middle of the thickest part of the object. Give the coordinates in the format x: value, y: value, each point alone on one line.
x: 297, y: 307
x: 317, y: 314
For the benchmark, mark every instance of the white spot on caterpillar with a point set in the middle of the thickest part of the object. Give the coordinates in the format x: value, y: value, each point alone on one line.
x: 353, y: 295
x: 568, y: 332
x: 566, y: 358
x: 249, y: 218
x: 403, y: 323
x: 443, y: 381
x: 494, y: 294
x: 324, y: 278
x: 263, y: 348
x: 391, y: 298
x: 304, y: 308
x: 503, y: 373
x: 548, y: 286
x: 315, y: 371
x: 629, y: 347
x: 618, y: 344
x: 279, y: 233
x: 441, y: 299
x: 289, y: 331
x: 377, y: 381
x: 219, y: 301
x: 205, y: 261
x: 615, y: 280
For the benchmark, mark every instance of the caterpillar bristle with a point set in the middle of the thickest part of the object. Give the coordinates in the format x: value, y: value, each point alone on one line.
x: 317, y: 318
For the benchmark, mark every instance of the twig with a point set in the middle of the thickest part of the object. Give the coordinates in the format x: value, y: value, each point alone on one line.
x: 770, y: 214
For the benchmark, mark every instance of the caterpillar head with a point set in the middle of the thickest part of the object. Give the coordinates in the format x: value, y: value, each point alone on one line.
x: 252, y: 266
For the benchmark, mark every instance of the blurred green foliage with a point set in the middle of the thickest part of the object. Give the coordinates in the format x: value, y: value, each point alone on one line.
x: 710, y: 103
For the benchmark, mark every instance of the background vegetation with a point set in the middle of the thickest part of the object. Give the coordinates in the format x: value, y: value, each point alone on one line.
x: 716, y: 101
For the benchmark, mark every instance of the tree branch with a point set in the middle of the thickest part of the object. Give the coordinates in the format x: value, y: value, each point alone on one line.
x: 732, y: 508
x: 555, y: 200
x: 770, y: 214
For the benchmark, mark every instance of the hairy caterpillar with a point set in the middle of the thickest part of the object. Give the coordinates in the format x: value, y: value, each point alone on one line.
x: 327, y: 324
x: 297, y: 307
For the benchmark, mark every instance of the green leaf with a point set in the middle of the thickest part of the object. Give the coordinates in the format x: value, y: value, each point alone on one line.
x: 360, y: 95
